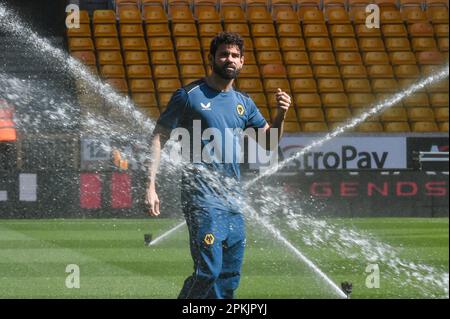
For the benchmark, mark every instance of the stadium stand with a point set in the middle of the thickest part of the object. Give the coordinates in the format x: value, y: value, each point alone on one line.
x: 320, y: 51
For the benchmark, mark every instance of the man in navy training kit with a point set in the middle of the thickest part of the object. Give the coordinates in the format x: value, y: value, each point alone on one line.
x: 214, y: 218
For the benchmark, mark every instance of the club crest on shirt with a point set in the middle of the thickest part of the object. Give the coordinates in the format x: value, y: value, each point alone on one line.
x: 209, y: 239
x: 240, y: 109
x: 206, y: 106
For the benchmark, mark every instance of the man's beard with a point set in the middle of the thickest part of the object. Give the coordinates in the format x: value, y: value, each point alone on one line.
x: 224, y: 73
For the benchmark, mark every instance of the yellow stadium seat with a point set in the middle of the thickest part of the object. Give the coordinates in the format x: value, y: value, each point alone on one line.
x: 141, y: 85
x: 206, y: 13
x: 189, y: 57
x: 299, y: 71
x: 353, y: 71
x: 104, y: 17
x: 423, y: 44
x: 147, y: 100
x: 303, y: 85
x: 394, y: 30
x: 291, y: 115
x: 259, y: 98
x: 248, y: 43
x: 160, y: 43
x: 330, y: 86
x: 441, y: 114
x: 406, y: 83
x: 273, y: 71
x: 338, y: 114
x: 438, y: 87
x: 105, y: 30
x: 233, y: 14
x: 120, y: 85
x: 250, y: 85
x: 390, y: 16
x: 139, y: 71
x: 310, y: 115
x: 336, y: 15
x: 443, y: 127
x: 371, y: 58
x: 357, y: 13
x: 86, y: 57
x: 165, y: 71
x: 416, y: 100
x: 430, y: 57
x: 421, y: 30
x: 154, y: 14
x: 429, y: 69
x: 310, y: 15
x: 322, y: 58
x: 345, y: 44
x: 371, y: 44
x: 249, y: 57
x: 315, y: 30
x: 413, y: 14
x: 438, y: 13
x: 441, y: 30
x: 341, y: 30
x: 181, y: 14
x: 289, y: 30
x: 397, y: 44
x: 272, y: 85
x: 184, y: 30
x: 396, y: 127
x: 107, y: 44
x: 129, y: 14
x: 136, y: 57
x: 258, y: 14
x: 439, y: 99
x: 122, y: 3
x: 383, y: 97
x: 318, y: 44
x: 241, y: 28
x: 187, y: 43
x: 361, y: 99
x: 83, y: 31
x: 443, y: 44
x: 313, y: 127
x: 266, y: 44
x: 291, y: 127
x: 394, y: 114
x: 384, y: 85
x: 402, y: 57
x: 192, y: 71
x: 112, y: 71
x: 334, y: 99
x: 424, y: 127
x: 362, y: 31
x: 306, y: 100
x: 136, y: 44
x: 284, y: 14
x: 292, y: 44
x: 249, y: 71
x: 157, y: 30
x: 81, y: 44
x: 380, y: 71
x: 357, y: 86
x: 369, y: 127
x: 209, y: 29
x: 167, y: 85
x: 326, y: 71
x: 346, y: 58
x: 269, y: 57
x: 131, y: 30
x: 263, y: 30
x: 109, y: 57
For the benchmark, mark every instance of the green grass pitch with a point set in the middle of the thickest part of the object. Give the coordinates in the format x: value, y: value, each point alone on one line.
x: 115, y: 263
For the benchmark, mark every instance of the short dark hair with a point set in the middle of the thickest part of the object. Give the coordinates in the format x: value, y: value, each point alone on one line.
x: 226, y: 38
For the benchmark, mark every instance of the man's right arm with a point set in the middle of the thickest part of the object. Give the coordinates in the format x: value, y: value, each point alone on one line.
x: 159, y: 138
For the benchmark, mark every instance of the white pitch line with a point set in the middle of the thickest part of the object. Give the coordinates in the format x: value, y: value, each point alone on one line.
x: 167, y: 233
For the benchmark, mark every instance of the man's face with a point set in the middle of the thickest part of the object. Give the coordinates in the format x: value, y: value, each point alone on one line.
x: 227, y: 62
